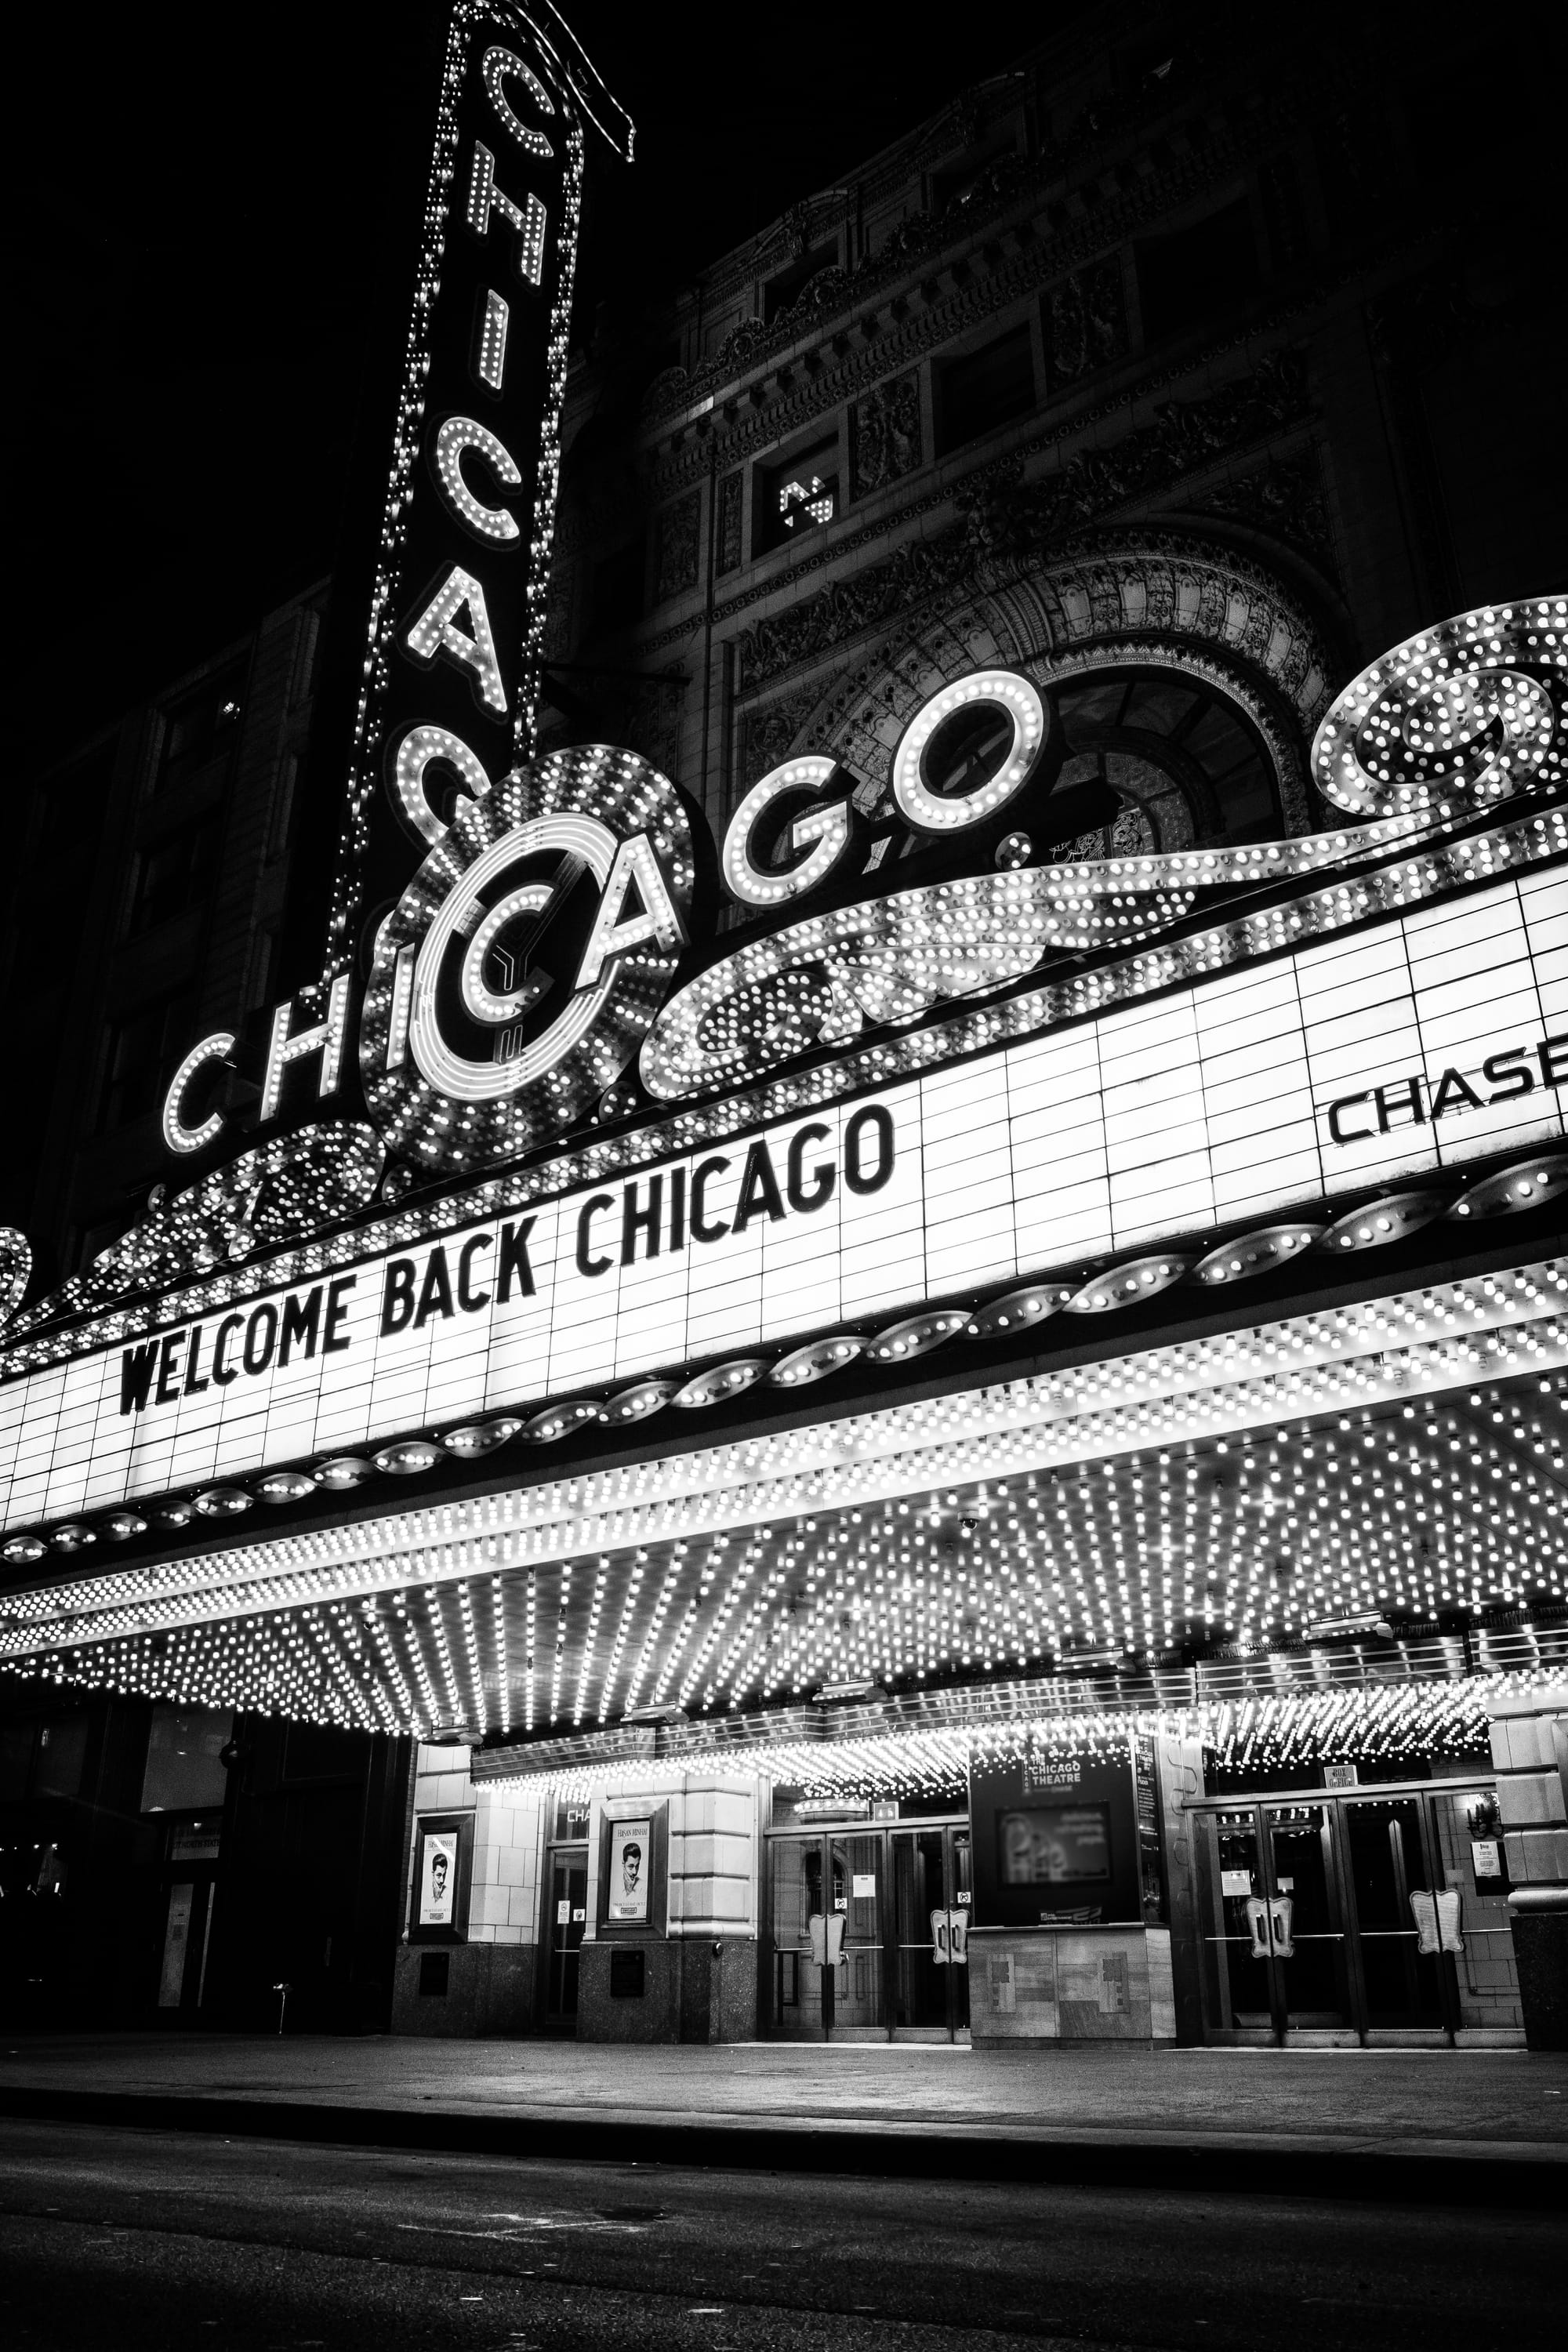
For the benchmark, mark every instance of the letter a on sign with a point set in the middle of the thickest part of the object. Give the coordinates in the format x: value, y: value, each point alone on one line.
x: 437, y: 632
x: 614, y: 932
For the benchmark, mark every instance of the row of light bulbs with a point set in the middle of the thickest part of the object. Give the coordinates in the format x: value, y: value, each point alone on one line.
x: 1425, y: 1342
x: 1522, y: 1185
x: 1254, y: 1540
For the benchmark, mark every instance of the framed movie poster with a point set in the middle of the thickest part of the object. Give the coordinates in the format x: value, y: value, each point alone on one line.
x: 631, y: 1869
x: 632, y: 1840
x: 438, y: 1897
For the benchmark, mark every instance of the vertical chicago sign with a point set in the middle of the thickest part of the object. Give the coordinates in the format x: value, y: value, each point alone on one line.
x: 457, y: 859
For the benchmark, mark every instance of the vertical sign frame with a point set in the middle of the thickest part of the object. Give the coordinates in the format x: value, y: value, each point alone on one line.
x: 446, y: 689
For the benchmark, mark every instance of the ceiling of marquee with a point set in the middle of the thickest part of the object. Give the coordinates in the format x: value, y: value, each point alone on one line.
x: 1402, y: 1512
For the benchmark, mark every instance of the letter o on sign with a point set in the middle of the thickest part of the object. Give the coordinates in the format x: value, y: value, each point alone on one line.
x: 1001, y: 694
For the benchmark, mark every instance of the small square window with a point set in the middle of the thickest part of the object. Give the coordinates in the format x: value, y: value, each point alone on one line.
x: 796, y: 496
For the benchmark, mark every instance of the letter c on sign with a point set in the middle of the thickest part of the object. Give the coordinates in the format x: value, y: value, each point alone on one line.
x: 497, y: 64
x: 703, y: 1227
x: 585, y: 1216
x: 1347, y: 1102
x: 222, y: 1371
x: 822, y: 1175
x: 176, y: 1134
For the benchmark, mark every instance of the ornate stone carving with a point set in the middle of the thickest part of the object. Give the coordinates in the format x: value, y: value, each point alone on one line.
x: 1284, y: 497
x: 678, y: 546
x: 997, y: 190
x: 884, y: 435
x: 766, y: 734
x: 1002, y: 517
x: 729, y: 550
x: 923, y: 569
x: 1144, y: 598
x: 1086, y: 322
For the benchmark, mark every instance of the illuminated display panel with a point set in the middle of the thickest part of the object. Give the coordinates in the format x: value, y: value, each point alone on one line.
x: 1216, y: 1103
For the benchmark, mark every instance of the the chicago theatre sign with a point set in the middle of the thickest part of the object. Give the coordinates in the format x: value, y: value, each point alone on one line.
x: 543, y: 1147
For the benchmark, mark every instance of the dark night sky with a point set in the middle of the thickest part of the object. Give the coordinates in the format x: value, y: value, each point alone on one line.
x: 212, y: 213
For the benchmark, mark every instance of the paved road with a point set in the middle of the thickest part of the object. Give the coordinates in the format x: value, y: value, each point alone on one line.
x: 132, y: 2242
x: 1084, y: 2088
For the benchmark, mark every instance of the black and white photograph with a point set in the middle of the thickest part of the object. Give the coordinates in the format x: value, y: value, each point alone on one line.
x: 783, y: 1237
x: 631, y: 1854
x: 438, y: 1879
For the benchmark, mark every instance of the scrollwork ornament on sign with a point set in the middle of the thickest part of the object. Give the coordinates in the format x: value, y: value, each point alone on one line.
x: 1455, y: 719
x: 520, y: 970
x: 295, y: 1185
x: 15, y: 1266
x: 1458, y: 720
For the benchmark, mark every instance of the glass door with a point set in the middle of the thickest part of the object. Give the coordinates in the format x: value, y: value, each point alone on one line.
x: 1304, y: 1926
x: 1389, y: 1857
x: 1240, y: 1992
x: 920, y: 1889
x: 931, y: 1882
x: 882, y: 1886
x: 800, y: 2008
x: 860, y: 1993
x: 568, y: 1916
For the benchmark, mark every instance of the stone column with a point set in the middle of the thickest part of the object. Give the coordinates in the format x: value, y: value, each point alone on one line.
x: 485, y: 1985
x: 1530, y: 1749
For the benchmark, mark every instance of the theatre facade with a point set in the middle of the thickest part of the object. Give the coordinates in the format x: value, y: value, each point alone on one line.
x: 881, y: 1349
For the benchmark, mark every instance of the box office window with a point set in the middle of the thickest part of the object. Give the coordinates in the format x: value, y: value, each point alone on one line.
x: 1053, y: 1845
x: 983, y: 390
x: 185, y: 1748
x: 61, y: 1756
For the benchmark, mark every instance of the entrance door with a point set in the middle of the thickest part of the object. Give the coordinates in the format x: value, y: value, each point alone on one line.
x: 187, y: 1931
x: 930, y: 1874
x: 1312, y: 1991
x: 1389, y: 1857
x: 1308, y: 1924
x: 1239, y: 1971
x: 883, y: 1884
x: 567, y: 1918
x: 858, y: 1874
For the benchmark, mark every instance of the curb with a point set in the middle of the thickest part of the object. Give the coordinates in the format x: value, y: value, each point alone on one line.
x: 1395, y: 2172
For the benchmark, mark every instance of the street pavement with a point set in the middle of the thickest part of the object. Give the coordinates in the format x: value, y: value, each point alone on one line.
x: 1510, y: 2102
x: 147, y: 2241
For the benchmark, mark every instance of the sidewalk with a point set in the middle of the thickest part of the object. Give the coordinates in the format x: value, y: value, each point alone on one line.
x: 1446, y: 2124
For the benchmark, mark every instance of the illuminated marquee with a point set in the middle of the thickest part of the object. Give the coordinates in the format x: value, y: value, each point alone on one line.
x: 487, y: 1028
x: 1215, y: 1103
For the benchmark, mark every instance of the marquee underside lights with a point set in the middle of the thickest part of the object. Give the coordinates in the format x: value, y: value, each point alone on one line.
x: 1108, y: 1516
x: 886, y: 1749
